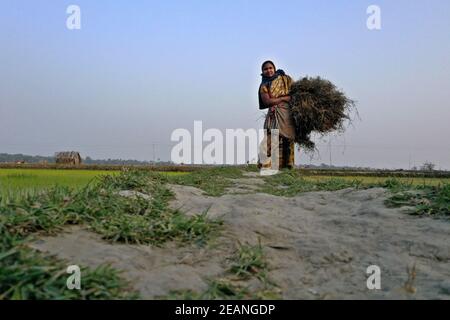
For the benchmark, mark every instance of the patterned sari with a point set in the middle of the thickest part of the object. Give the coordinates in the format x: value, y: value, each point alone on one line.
x: 278, y: 117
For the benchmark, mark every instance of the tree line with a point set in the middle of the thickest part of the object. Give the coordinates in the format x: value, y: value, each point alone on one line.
x: 5, y: 157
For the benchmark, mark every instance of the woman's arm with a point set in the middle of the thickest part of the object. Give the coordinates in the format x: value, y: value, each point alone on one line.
x: 269, y: 102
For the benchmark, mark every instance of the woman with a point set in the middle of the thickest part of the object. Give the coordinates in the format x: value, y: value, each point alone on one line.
x: 274, y: 95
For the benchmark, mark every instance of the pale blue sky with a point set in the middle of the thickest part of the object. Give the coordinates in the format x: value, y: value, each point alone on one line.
x: 137, y: 70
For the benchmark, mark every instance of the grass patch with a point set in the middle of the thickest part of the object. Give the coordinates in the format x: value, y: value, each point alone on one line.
x: 213, y: 181
x: 249, y: 261
x: 291, y: 183
x: 138, y: 220
x: 251, y: 168
x: 426, y: 196
x: 116, y: 218
x: 27, y: 274
x: 425, y: 201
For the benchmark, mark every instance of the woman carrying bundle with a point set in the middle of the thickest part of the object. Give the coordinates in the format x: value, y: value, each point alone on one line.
x: 274, y: 95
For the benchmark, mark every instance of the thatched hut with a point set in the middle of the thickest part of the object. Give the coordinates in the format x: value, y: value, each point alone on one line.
x: 68, y: 157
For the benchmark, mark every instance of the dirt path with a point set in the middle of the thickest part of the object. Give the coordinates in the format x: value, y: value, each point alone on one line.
x: 318, y: 245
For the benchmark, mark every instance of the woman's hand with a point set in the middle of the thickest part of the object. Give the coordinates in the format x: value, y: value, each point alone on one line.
x: 286, y: 98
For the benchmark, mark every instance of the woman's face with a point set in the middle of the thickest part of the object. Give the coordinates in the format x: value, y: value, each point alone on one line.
x: 268, y: 70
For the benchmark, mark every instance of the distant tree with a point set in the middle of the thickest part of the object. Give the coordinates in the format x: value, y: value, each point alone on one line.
x: 428, y: 166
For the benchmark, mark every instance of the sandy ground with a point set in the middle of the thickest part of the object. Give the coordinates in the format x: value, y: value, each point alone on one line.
x: 318, y: 245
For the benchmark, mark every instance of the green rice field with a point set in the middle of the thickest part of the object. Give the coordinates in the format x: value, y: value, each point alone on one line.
x: 414, y: 181
x: 17, y: 182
